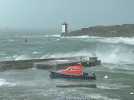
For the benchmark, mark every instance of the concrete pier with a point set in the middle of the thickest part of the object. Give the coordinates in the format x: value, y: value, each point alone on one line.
x: 48, y: 63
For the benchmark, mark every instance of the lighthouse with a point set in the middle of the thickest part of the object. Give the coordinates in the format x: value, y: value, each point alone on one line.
x: 64, y: 28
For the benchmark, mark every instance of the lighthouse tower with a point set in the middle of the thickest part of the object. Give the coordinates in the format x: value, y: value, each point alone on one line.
x: 64, y: 28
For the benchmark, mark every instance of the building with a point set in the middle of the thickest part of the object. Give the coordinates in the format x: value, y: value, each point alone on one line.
x: 64, y: 27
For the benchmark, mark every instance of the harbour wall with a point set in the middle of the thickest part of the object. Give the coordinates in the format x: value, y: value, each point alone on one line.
x: 49, y: 63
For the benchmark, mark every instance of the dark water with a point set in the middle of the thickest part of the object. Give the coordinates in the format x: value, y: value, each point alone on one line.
x: 117, y: 55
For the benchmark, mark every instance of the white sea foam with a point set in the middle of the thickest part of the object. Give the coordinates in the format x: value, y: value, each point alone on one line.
x: 124, y: 40
x: 54, y: 35
x: 21, y: 57
x: 115, y: 40
x: 77, y: 37
x: 111, y: 86
x: 57, y: 39
x: 86, y: 97
x: 113, y: 55
x: 101, y: 97
x: 71, y: 54
x: 132, y: 93
x: 4, y: 82
x: 16, y: 57
x: 35, y: 52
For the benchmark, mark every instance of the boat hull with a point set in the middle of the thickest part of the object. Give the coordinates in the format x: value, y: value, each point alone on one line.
x: 85, y: 76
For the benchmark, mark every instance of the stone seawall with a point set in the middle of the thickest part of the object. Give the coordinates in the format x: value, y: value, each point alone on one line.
x: 44, y: 63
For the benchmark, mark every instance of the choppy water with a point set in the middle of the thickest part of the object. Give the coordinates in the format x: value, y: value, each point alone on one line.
x: 117, y: 55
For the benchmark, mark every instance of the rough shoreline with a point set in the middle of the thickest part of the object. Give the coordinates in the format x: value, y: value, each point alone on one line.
x: 124, y: 30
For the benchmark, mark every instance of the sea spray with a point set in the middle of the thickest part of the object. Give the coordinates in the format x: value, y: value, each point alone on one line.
x: 4, y: 82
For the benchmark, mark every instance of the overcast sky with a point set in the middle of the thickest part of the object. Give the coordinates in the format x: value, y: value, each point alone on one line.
x: 49, y: 14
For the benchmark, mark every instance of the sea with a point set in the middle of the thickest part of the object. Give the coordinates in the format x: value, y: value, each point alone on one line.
x: 114, y: 77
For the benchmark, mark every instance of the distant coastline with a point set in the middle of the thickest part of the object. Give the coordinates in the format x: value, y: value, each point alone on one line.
x: 124, y: 30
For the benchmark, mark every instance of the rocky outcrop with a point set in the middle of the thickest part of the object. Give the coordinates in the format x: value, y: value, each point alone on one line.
x: 125, y: 30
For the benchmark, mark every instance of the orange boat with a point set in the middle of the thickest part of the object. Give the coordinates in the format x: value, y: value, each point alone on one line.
x: 72, y: 72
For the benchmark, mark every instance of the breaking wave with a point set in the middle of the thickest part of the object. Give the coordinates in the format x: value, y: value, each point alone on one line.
x: 69, y: 54
x: 21, y: 57
x: 105, y: 49
x: 114, y: 56
x: 117, y: 40
x: 18, y: 57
